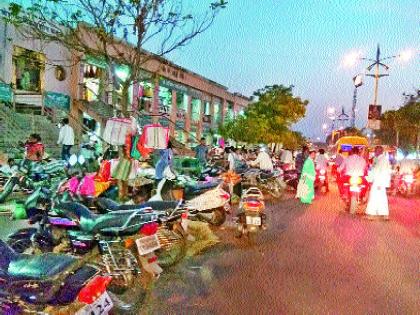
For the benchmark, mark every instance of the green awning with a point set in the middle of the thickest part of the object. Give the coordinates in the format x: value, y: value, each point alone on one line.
x: 6, y: 93
x: 56, y: 100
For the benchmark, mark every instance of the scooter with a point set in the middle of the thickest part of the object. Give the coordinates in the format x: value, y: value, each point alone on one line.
x: 211, y: 206
x: 251, y: 218
x: 40, y: 283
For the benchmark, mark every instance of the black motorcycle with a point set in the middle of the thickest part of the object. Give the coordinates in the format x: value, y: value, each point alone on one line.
x: 39, y: 283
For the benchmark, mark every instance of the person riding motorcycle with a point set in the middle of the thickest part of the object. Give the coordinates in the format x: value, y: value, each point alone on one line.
x: 263, y: 161
x: 321, y: 163
x: 353, y: 165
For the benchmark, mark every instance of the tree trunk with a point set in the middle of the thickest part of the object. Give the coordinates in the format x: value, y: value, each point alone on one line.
x: 397, y: 138
x: 123, y: 185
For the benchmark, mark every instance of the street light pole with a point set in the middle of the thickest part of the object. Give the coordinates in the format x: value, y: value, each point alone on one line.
x: 357, y: 81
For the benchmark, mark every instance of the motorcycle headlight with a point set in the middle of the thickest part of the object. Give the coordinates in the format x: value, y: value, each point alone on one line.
x: 355, y: 180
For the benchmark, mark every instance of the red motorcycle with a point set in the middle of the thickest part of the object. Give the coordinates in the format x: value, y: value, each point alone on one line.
x: 406, y: 185
x: 321, y: 180
x: 355, y: 191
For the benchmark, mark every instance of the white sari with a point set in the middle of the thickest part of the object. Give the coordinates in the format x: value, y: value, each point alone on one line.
x: 381, y: 178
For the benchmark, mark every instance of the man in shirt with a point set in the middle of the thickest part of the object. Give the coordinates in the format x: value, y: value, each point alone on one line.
x: 321, y: 164
x: 354, y: 165
x: 301, y: 158
x: 201, y: 152
x: 66, y: 138
x: 263, y: 161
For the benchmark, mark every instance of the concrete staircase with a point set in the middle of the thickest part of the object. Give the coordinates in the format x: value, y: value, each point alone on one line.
x: 15, y: 127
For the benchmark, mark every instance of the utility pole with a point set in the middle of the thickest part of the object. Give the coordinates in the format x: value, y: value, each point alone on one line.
x: 357, y: 81
x: 377, y: 63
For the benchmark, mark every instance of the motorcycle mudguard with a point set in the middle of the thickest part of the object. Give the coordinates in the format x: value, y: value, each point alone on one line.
x: 8, y: 188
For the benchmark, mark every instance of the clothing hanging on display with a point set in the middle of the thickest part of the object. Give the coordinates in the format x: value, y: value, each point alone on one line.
x: 156, y: 136
x: 116, y: 130
x: 122, y: 170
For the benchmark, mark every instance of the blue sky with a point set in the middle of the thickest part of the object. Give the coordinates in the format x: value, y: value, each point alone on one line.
x: 302, y: 42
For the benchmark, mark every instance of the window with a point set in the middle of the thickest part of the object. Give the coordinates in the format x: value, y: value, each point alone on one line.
x: 28, y: 69
x: 195, y: 110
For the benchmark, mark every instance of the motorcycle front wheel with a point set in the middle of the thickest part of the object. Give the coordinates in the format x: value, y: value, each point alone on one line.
x: 353, y: 204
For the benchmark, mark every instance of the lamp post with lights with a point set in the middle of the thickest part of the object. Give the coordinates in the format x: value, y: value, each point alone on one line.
x: 376, y: 64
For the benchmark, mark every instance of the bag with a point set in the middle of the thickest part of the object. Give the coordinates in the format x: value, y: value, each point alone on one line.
x: 302, y: 188
x: 116, y: 130
x: 156, y: 136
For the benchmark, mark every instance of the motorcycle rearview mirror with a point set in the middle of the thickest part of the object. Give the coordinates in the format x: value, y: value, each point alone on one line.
x: 81, y: 159
x: 73, y: 160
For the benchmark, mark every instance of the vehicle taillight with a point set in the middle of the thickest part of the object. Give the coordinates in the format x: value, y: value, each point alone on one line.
x: 94, y: 289
x: 355, y: 180
x: 149, y: 229
x: 224, y: 195
x: 153, y: 259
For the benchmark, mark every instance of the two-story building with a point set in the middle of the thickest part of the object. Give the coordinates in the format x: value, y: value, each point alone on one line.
x: 49, y: 78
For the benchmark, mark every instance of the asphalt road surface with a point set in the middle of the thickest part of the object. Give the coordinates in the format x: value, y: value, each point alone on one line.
x: 313, y: 259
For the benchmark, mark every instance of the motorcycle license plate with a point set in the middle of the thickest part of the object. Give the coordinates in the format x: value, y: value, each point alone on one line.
x: 253, y: 220
x: 322, y: 178
x: 101, y: 306
x: 147, y: 244
x: 355, y: 188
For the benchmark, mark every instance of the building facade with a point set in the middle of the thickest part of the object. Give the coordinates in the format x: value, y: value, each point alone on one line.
x: 49, y: 78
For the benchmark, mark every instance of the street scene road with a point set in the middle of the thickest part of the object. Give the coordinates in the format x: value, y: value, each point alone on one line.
x: 313, y: 259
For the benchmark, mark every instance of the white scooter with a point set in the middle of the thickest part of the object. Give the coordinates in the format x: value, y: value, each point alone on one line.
x: 210, y: 206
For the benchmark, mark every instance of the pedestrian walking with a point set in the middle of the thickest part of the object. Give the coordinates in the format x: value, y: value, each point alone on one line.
x: 380, y: 176
x: 166, y: 157
x: 66, y: 138
x: 306, y: 190
x: 202, y: 151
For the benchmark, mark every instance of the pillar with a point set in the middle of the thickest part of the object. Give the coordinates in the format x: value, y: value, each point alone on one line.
x: 173, y: 117
x: 223, y: 110
x: 155, y: 111
x: 188, y: 117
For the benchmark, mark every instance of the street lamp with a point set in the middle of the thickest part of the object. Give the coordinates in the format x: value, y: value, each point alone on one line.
x: 351, y: 59
x: 357, y: 81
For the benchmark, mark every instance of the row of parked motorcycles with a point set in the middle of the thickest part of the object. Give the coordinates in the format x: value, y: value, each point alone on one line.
x: 86, y: 253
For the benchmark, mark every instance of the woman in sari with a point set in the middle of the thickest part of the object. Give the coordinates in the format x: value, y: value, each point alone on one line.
x: 308, y: 178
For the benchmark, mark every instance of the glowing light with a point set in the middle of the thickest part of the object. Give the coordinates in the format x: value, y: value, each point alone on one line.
x: 324, y: 126
x: 351, y: 59
x: 405, y: 55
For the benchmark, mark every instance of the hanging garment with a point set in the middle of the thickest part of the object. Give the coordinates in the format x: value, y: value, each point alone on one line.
x: 104, y: 173
x: 116, y: 130
x: 141, y: 148
x: 127, y: 145
x: 122, y: 170
x: 156, y: 136
x: 135, y: 153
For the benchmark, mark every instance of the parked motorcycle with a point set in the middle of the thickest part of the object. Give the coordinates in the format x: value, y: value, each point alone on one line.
x: 36, y: 283
x: 270, y: 183
x: 251, y: 217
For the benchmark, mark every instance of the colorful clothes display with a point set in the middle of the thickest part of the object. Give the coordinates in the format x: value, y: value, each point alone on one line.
x: 156, y: 136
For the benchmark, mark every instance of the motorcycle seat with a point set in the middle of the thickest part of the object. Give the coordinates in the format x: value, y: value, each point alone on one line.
x: 107, y: 204
x: 119, y: 222
x: 37, y: 267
